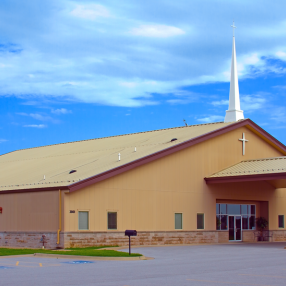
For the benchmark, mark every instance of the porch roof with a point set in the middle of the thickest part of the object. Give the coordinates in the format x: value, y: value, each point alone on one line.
x: 272, y: 170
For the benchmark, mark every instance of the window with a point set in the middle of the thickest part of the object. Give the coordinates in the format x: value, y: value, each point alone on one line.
x: 112, y: 220
x: 281, y: 221
x: 178, y: 221
x: 83, y: 221
x: 247, y: 213
x: 221, y: 222
x: 200, y: 221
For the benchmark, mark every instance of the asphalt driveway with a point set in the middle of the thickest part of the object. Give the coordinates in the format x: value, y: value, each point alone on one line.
x: 229, y: 264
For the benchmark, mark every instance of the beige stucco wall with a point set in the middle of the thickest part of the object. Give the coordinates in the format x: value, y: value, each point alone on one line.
x: 35, y: 211
x: 277, y: 206
x: 147, y: 197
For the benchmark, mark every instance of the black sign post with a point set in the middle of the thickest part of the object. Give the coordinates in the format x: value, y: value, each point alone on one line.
x: 129, y: 245
x: 130, y: 233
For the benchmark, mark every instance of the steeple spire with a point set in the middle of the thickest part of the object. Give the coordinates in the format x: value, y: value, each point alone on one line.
x: 233, y: 113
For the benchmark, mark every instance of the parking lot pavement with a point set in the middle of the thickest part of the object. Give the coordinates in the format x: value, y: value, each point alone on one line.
x: 229, y: 264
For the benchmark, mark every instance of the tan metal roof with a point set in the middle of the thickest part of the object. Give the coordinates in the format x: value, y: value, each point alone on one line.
x: 254, y: 167
x: 25, y: 169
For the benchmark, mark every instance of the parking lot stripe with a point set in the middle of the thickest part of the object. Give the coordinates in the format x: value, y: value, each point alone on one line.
x: 41, y: 265
x: 17, y: 263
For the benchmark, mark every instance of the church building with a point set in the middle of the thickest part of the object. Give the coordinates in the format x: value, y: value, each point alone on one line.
x: 204, y: 183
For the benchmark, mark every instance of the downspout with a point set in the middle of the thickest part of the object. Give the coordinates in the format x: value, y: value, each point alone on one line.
x: 60, y: 216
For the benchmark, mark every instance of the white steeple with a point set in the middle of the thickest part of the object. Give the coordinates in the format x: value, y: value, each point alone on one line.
x: 233, y: 113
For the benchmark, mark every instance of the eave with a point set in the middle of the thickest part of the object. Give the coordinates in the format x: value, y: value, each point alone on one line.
x: 246, y: 178
x: 49, y: 189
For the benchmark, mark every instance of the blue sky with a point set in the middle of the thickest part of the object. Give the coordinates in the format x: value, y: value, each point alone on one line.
x: 74, y: 70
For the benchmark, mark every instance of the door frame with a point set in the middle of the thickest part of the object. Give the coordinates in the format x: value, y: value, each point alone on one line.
x: 235, y: 240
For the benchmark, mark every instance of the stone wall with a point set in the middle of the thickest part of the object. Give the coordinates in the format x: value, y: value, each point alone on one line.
x: 29, y: 239
x: 248, y: 236
x: 279, y: 235
x: 223, y: 236
x: 82, y: 239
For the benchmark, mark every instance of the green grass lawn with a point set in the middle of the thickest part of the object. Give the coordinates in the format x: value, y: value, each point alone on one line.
x: 88, y: 251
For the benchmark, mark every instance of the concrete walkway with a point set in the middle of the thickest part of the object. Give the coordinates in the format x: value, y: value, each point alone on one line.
x: 230, y: 264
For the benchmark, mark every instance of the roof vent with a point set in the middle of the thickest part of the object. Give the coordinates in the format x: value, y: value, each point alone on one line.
x: 72, y: 171
x: 174, y: 139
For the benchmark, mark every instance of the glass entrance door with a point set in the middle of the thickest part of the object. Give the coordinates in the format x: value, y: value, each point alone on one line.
x: 234, y: 227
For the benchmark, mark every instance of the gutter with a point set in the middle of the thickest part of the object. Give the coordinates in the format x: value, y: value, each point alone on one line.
x: 246, y: 178
x: 49, y: 189
x: 60, y: 217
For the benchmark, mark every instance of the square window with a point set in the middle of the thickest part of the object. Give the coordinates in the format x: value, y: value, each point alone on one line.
x: 281, y: 221
x: 200, y: 221
x: 83, y: 223
x: 244, y: 209
x: 252, y: 209
x: 224, y: 221
x: 112, y: 220
x: 245, y: 222
x: 218, y: 222
x: 217, y: 209
x: 251, y: 224
x: 223, y: 209
x: 178, y: 221
x: 233, y: 209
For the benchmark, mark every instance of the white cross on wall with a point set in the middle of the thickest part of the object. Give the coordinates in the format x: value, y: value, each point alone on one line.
x: 243, y: 143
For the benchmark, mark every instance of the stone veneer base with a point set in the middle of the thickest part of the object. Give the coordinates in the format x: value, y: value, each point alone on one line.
x: 22, y: 239
x: 75, y: 239
x: 85, y: 239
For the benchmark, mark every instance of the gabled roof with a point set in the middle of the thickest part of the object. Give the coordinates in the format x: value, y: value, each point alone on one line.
x: 265, y: 169
x: 254, y: 167
x: 97, y: 159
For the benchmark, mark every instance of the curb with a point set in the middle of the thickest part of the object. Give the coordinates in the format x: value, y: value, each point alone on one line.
x: 60, y: 256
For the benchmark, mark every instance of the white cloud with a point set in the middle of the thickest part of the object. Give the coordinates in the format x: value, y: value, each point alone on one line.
x: 157, y: 31
x: 248, y: 61
x: 90, y: 12
x: 182, y: 97
x: 252, y: 102
x: 248, y: 102
x: 61, y: 111
x: 40, y: 116
x: 211, y: 118
x: 279, y: 115
x: 123, y: 59
x: 36, y: 116
x: 3, y: 140
x: 220, y: 102
x: 128, y: 84
x: 281, y: 55
x: 36, y: 125
x: 179, y: 101
x: 280, y: 86
x: 252, y: 59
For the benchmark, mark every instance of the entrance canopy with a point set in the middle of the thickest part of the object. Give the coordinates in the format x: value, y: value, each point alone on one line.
x: 272, y: 170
